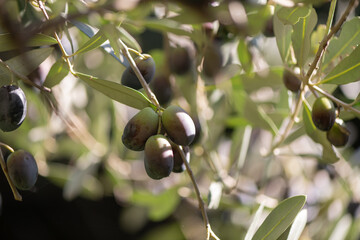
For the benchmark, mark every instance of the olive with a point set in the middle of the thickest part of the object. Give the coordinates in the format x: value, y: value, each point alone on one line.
x: 179, y: 165
x: 291, y: 81
x: 338, y: 135
x: 162, y: 89
x: 12, y: 107
x: 139, y: 128
x: 22, y: 169
x: 178, y: 125
x: 212, y: 60
x: 323, y: 113
x: 179, y: 60
x: 146, y: 65
x: 159, y: 157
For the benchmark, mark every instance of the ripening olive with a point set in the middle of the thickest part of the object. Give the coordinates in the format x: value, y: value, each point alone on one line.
x: 291, y: 81
x: 338, y: 135
x: 179, y: 60
x: 159, y: 157
x: 139, y: 128
x: 12, y: 107
x: 22, y: 169
x: 178, y: 125
x: 146, y: 65
x: 323, y: 113
x: 179, y: 165
x: 162, y: 89
x: 212, y: 60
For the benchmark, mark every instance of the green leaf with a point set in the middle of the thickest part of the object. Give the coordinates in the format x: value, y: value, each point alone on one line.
x: 344, y: 44
x: 293, y: 15
x: 25, y: 63
x: 347, y: 71
x: 254, y: 223
x: 329, y: 154
x: 316, y: 37
x: 280, y: 218
x: 301, y: 37
x: 271, y: 77
x: 117, y: 92
x: 7, y: 43
x: 57, y: 73
x: 94, y: 42
x: 244, y: 56
x: 159, y: 206
x: 283, y: 37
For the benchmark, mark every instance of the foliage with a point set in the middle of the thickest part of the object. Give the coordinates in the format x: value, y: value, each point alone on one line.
x: 256, y: 145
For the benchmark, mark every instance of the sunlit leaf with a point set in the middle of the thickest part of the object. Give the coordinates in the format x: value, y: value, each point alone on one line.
x: 347, y: 71
x: 7, y: 43
x: 94, y: 42
x: 244, y: 56
x: 280, y: 218
x: 254, y: 223
x: 344, y: 44
x: 293, y: 15
x: 167, y: 26
x: 283, y: 37
x: 271, y: 77
x: 298, y: 225
x: 25, y: 63
x: 329, y: 154
x: 215, y: 192
x: 301, y: 37
x: 316, y: 38
x: 57, y: 73
x: 117, y: 92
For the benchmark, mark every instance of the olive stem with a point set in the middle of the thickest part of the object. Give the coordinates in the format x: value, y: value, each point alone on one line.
x: 64, y: 54
x: 125, y: 50
x: 23, y: 78
x: 209, y: 231
x: 334, y: 99
x: 324, y: 42
x: 15, y: 192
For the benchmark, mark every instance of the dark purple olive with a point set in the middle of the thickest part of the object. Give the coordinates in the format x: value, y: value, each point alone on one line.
x: 338, y: 135
x: 12, y: 107
x: 291, y: 81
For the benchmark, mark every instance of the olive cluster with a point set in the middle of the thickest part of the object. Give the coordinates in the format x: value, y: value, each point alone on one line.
x: 324, y: 118
x: 22, y: 169
x: 12, y: 107
x: 159, y: 134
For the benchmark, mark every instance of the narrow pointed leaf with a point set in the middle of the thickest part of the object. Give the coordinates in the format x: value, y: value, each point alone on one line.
x: 254, y: 223
x: 280, y: 218
x: 344, y: 44
x: 94, y: 42
x: 117, y: 92
x: 297, y: 227
x: 25, y: 63
x: 329, y: 154
x: 292, y: 15
x: 7, y: 43
x: 283, y: 37
x: 58, y: 72
x: 301, y: 37
x: 347, y: 71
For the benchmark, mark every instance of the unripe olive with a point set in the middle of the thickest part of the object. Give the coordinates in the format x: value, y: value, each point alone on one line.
x: 178, y: 125
x: 179, y: 60
x: 179, y: 165
x: 159, y: 157
x: 212, y: 60
x: 162, y: 89
x: 291, y: 81
x: 323, y: 113
x: 338, y: 135
x: 22, y: 169
x: 12, y: 107
x: 146, y: 65
x: 139, y: 128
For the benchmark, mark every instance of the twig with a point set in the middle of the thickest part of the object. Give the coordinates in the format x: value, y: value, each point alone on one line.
x: 336, y: 100
x: 209, y: 231
x: 324, y: 42
x: 125, y: 51
x: 24, y: 78
x: 15, y: 192
x: 64, y: 54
